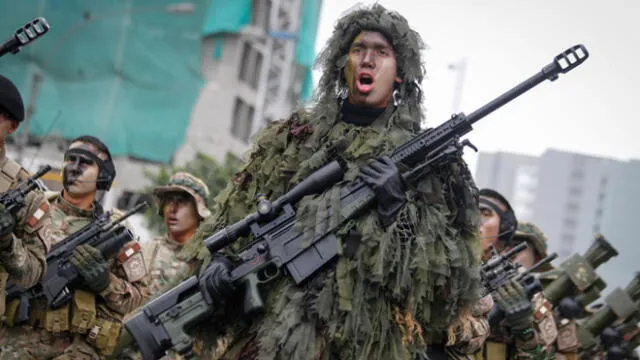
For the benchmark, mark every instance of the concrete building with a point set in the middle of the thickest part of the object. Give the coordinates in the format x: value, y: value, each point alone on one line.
x: 572, y: 197
x: 252, y: 78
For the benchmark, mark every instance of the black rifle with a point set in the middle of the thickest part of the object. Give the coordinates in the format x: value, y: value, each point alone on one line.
x: 13, y: 200
x: 105, y: 235
x: 499, y: 269
x: 278, y: 245
x: 24, y: 35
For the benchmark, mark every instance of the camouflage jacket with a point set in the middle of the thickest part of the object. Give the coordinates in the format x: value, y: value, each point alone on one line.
x: 23, y: 257
x: 165, y: 265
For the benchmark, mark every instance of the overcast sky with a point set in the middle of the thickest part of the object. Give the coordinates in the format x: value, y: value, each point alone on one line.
x: 591, y: 110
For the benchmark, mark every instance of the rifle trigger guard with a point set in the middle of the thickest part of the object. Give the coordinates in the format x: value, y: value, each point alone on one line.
x: 468, y: 143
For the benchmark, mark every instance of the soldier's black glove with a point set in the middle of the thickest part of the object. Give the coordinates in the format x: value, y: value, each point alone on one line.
x: 92, y: 267
x: 215, y: 280
x: 7, y: 223
x: 383, y: 177
x: 518, y: 311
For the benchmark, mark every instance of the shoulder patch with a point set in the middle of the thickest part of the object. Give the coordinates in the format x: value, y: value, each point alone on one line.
x: 132, y: 261
x: 38, y: 214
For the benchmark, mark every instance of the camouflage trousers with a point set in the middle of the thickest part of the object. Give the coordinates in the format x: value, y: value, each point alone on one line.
x: 26, y: 343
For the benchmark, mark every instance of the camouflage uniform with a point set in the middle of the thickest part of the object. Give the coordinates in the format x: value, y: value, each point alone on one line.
x: 162, y: 255
x: 89, y: 326
x: 163, y: 258
x: 396, y: 291
x: 23, y: 258
x: 542, y: 345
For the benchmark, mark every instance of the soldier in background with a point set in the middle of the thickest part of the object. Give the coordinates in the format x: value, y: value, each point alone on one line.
x: 518, y: 335
x: 89, y: 325
x: 182, y: 203
x: 23, y: 236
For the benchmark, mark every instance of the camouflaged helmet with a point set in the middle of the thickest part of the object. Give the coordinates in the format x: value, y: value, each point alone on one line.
x: 532, y: 234
x: 183, y: 181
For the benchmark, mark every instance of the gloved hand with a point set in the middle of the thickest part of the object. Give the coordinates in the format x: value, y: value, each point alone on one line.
x: 7, y: 223
x: 518, y: 310
x: 92, y: 267
x: 215, y: 280
x: 383, y: 177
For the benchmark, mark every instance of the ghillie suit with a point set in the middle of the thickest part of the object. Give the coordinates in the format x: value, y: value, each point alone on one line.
x: 393, y: 290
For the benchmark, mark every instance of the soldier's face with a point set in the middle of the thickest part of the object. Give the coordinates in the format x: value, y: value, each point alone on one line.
x: 7, y: 127
x: 490, y: 223
x: 371, y: 70
x: 180, y: 215
x: 80, y: 173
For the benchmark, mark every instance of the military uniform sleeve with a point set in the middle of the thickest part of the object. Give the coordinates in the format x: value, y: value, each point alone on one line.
x: 546, y: 332
x: 24, y: 256
x: 128, y: 288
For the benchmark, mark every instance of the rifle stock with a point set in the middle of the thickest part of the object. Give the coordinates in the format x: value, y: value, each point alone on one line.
x: 279, y: 246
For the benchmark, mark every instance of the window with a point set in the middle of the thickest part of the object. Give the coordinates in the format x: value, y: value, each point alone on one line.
x: 242, y: 120
x: 575, y: 191
x: 577, y: 175
x: 250, y: 66
x: 573, y: 207
x: 260, y: 13
x: 570, y: 223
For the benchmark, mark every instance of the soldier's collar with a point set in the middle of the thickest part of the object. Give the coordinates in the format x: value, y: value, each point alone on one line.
x: 71, y: 209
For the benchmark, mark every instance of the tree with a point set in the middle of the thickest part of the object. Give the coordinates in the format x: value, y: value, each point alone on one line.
x: 214, y: 174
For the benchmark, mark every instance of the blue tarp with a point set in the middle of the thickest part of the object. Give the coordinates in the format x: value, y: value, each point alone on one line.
x: 127, y: 71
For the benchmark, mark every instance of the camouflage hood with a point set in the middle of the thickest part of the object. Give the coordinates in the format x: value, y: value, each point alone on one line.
x: 407, y: 46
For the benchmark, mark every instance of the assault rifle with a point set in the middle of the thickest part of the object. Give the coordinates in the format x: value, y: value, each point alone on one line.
x: 278, y: 246
x: 105, y: 235
x: 13, y: 200
x: 24, y: 35
x: 499, y: 269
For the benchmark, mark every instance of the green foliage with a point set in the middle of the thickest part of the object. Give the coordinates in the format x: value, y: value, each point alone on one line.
x: 214, y: 174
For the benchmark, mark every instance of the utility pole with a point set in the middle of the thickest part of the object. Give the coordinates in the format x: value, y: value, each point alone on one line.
x: 23, y: 138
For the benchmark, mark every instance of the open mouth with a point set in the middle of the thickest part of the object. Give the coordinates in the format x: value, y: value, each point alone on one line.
x: 365, y: 83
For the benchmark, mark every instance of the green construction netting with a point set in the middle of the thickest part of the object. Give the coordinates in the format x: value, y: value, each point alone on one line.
x: 127, y: 71
x: 124, y: 70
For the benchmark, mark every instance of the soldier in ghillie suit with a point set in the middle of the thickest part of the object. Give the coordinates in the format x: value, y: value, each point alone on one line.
x: 88, y: 326
x: 528, y: 330
x: 407, y: 276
